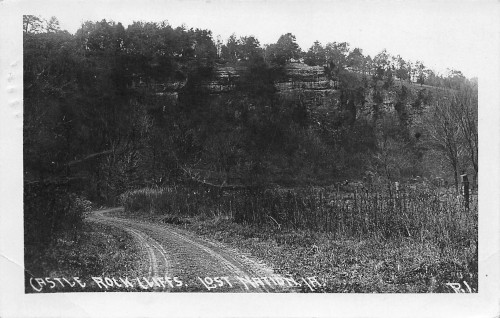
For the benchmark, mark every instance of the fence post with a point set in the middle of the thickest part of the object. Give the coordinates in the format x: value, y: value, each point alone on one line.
x: 396, y: 197
x: 465, y: 189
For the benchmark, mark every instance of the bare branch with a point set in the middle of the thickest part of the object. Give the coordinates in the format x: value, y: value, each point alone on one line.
x: 91, y: 156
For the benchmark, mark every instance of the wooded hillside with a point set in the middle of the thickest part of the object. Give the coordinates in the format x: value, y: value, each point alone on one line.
x: 114, y: 108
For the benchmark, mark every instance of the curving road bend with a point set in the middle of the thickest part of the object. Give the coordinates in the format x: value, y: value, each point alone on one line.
x: 199, y: 264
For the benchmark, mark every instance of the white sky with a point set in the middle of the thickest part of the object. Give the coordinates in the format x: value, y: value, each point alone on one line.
x: 442, y: 34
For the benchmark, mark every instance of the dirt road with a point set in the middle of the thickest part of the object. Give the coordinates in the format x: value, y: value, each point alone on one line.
x: 178, y: 260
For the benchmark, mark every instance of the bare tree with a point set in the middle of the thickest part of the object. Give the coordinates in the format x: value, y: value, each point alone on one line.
x: 465, y: 110
x: 444, y: 133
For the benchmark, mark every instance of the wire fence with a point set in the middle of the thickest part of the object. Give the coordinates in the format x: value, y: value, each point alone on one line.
x: 418, y: 213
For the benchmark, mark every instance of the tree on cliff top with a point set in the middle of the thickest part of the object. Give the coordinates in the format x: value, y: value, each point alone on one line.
x: 284, y: 50
x: 315, y: 55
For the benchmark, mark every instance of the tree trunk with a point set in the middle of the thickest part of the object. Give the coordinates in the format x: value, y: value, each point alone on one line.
x: 455, y: 173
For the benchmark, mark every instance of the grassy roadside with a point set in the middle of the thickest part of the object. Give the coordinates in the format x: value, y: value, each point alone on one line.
x: 360, y: 265
x: 97, y: 251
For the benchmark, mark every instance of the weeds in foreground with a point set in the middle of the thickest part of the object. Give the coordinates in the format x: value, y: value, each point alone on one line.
x: 364, y: 264
x: 413, y: 240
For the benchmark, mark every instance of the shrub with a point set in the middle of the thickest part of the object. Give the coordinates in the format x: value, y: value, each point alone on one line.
x: 49, y: 209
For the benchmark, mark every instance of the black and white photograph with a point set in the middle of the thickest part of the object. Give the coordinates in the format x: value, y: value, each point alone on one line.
x: 278, y: 148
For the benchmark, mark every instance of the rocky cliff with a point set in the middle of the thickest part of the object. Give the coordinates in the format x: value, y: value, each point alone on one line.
x: 310, y: 84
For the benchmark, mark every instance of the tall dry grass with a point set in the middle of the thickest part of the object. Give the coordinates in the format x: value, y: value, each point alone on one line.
x: 421, y: 214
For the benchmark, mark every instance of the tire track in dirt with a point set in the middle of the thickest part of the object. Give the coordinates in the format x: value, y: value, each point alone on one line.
x: 223, y: 261
x: 176, y: 252
x: 147, y: 243
x: 145, y: 246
